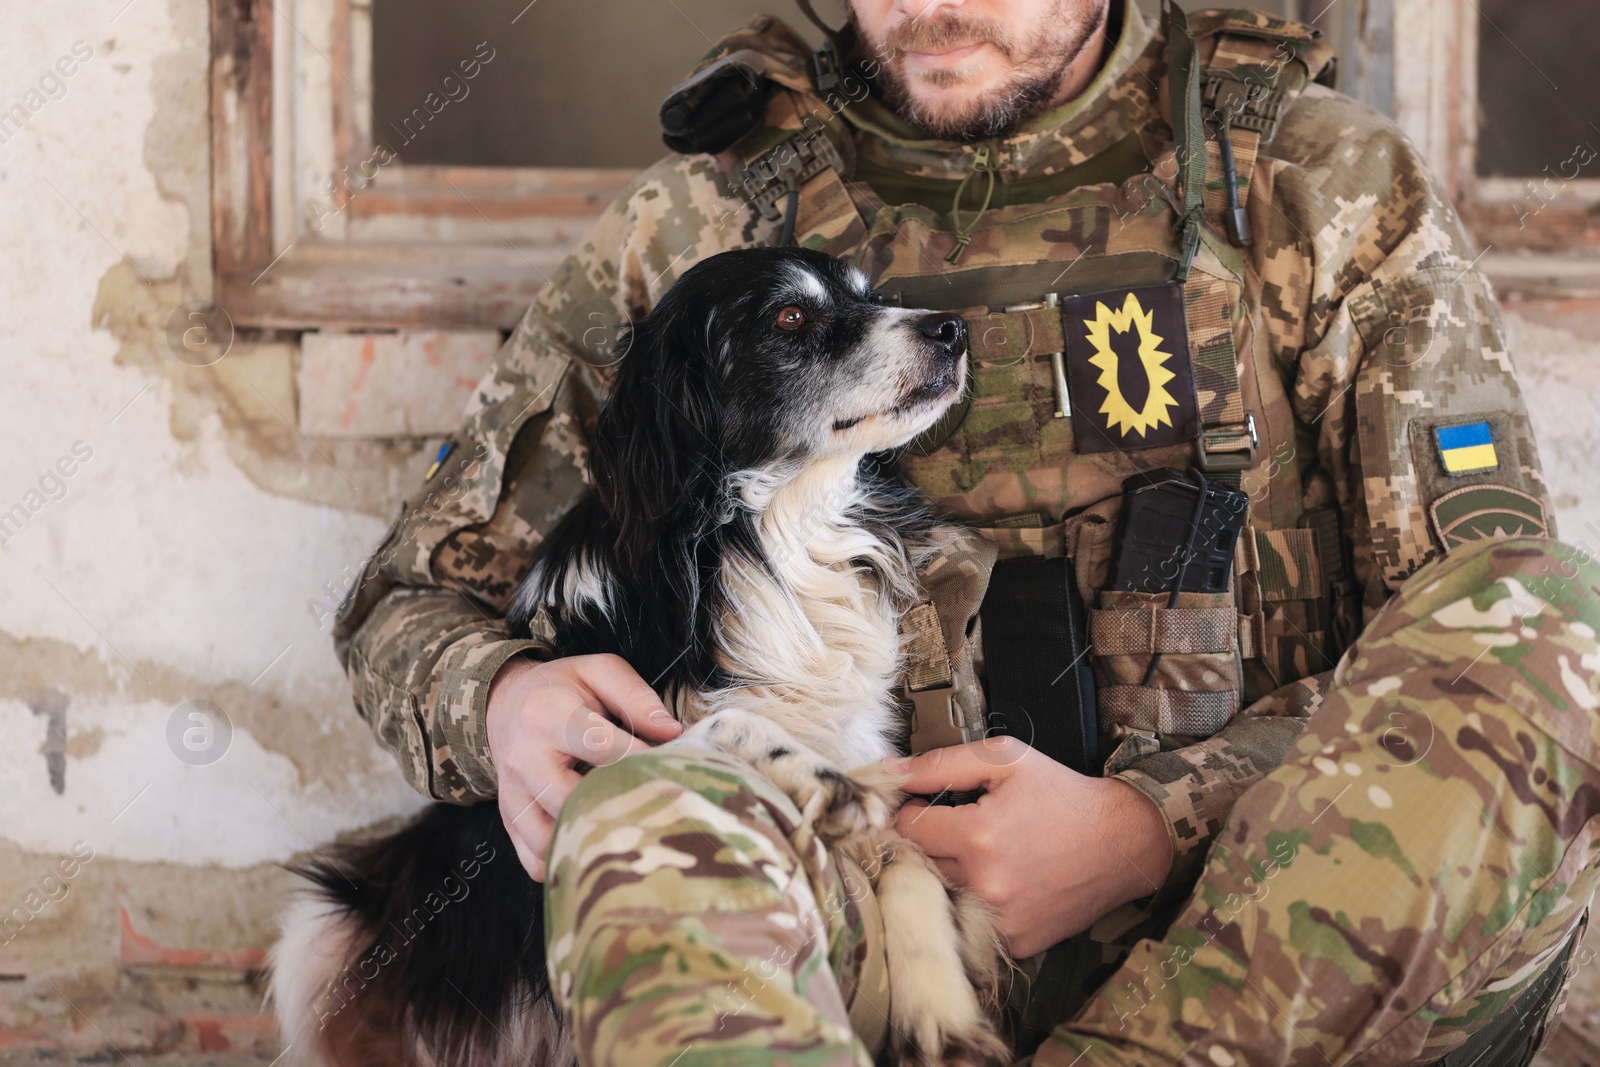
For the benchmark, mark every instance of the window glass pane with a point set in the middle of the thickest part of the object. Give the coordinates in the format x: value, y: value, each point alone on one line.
x: 1538, y: 84
x: 571, y: 83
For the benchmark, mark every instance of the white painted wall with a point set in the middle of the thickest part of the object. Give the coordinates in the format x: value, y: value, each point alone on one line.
x: 163, y: 565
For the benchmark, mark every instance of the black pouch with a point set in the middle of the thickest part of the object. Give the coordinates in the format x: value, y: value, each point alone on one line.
x: 1039, y: 680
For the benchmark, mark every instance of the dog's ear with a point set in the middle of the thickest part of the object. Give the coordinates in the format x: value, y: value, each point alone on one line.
x: 656, y: 458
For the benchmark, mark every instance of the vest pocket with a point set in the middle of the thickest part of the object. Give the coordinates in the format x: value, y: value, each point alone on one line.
x: 1193, y: 688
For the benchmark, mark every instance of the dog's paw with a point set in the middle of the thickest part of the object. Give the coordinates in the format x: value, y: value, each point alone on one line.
x: 936, y: 1045
x: 837, y: 805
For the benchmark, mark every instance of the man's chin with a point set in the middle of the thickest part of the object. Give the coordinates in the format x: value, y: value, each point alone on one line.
x: 945, y: 105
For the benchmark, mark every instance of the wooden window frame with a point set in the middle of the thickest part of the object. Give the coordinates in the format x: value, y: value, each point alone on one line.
x: 468, y: 247
x: 417, y: 246
x: 1532, y: 247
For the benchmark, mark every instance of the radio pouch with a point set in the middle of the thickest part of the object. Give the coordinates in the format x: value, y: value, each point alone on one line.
x: 1039, y: 680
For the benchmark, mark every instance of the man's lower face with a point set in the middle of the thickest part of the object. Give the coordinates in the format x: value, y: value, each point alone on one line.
x: 974, y: 71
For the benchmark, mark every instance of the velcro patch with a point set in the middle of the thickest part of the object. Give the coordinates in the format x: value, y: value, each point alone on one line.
x: 1128, y: 369
x: 1467, y: 448
x: 1483, y: 512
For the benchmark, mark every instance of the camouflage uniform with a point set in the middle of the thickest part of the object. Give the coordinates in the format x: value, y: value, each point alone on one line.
x: 1353, y: 330
x: 1427, y: 847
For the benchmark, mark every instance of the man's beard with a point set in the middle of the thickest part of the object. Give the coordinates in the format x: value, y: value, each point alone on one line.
x: 1039, y: 59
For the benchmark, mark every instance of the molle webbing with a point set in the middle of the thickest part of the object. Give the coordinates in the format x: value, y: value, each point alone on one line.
x: 809, y: 162
x: 1162, y: 629
x: 927, y: 663
x: 1184, y: 712
x: 1117, y: 164
x: 1282, y: 626
x: 927, y: 682
x: 1226, y: 444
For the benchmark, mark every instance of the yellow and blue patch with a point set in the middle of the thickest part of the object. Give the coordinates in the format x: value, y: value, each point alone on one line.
x: 1466, y: 449
x: 438, y: 460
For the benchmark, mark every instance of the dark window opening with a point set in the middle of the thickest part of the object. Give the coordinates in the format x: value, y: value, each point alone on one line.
x: 1537, y: 87
x: 554, y: 83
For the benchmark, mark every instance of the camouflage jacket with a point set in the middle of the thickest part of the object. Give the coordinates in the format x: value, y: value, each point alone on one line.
x: 1357, y: 313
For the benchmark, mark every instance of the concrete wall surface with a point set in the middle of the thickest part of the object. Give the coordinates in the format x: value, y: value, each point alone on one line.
x: 173, y: 539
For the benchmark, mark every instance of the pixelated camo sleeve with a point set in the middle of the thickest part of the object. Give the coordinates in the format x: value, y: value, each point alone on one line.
x: 422, y: 632
x: 1392, y: 351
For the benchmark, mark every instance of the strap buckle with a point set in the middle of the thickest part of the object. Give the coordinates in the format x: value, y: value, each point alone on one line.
x: 765, y: 180
x: 1230, y: 448
x: 935, y: 720
x: 826, y: 66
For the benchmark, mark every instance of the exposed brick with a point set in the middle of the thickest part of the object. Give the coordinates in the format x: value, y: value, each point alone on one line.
x: 123, y: 1028
x: 390, y: 384
x: 135, y: 949
x: 229, y: 1032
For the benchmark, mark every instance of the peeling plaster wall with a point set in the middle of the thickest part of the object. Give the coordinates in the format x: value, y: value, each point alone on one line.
x: 175, y: 564
x: 178, y: 561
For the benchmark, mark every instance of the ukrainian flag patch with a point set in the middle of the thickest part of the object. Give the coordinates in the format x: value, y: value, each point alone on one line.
x: 1466, y: 449
x: 438, y: 460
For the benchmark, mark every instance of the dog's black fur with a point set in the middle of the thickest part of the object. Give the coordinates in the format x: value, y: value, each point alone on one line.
x: 705, y: 387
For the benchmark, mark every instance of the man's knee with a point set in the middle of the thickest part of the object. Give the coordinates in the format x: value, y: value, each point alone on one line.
x: 1524, y: 588
x: 1516, y: 618
x: 1528, y: 574
x: 668, y: 776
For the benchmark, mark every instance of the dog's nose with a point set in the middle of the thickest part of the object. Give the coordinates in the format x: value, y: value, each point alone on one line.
x: 947, y: 331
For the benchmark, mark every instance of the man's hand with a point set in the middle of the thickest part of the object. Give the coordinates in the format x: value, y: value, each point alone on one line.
x: 546, y: 718
x: 1050, y: 849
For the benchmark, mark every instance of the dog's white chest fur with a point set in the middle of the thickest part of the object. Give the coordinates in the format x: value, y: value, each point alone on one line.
x: 810, y: 635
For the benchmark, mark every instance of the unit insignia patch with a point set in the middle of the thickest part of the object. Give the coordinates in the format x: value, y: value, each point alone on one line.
x: 1481, y: 512
x: 1128, y: 369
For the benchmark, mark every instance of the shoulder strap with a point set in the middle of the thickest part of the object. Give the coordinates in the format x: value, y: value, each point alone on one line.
x: 802, y: 146
x: 768, y: 106
x: 1255, y: 66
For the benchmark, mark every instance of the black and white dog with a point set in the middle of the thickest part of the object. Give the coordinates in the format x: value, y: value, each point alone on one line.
x: 745, y: 547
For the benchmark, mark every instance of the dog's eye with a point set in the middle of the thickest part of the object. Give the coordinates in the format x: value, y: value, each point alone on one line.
x: 791, y: 318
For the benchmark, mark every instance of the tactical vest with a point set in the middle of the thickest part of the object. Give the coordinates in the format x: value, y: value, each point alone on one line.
x: 1149, y: 252
x: 1110, y: 276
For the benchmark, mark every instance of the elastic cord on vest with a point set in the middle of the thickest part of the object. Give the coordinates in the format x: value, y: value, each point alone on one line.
x: 1188, y: 130
x: 981, y: 164
x: 791, y: 208
x: 1183, y: 560
x: 1238, y: 223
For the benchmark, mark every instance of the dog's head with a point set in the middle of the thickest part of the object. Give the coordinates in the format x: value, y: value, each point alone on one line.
x: 765, y: 358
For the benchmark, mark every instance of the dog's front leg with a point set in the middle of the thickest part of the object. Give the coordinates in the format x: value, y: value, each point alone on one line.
x: 944, y: 958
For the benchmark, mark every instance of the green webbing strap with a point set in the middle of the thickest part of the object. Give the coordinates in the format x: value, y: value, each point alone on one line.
x: 1188, y: 129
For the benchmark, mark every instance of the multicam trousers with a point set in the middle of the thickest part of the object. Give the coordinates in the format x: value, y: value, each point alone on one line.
x: 1420, y: 857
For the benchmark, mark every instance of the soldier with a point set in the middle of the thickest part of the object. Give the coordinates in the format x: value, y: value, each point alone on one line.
x: 1342, y: 805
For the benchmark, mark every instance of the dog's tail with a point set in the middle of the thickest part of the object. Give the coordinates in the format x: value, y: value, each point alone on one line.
x: 424, y: 947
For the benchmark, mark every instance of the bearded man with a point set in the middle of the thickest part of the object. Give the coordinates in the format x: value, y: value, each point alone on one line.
x: 1337, y: 810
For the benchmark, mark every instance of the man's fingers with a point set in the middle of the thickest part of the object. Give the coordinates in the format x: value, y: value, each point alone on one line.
x: 533, y: 864
x: 657, y: 724
x: 529, y: 828
x: 627, y: 696
x: 546, y: 804
x: 938, y: 830
x: 959, y: 767
x: 950, y: 869
x: 587, y: 735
